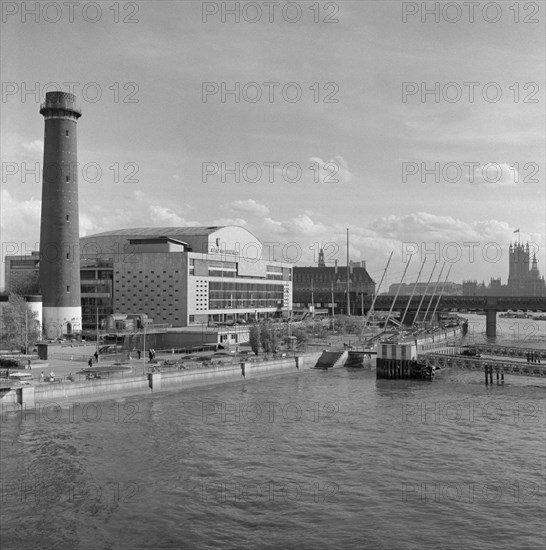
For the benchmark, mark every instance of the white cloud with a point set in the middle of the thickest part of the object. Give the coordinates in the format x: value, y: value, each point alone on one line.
x: 161, y: 214
x: 36, y: 146
x: 230, y: 221
x: 493, y: 174
x: 333, y: 171
x: 249, y: 206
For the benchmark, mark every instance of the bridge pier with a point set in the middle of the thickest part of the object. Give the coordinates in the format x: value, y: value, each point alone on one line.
x: 490, y: 323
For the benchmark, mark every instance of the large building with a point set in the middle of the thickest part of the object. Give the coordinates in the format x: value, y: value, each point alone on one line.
x: 315, y: 285
x: 523, y: 277
x: 178, y: 276
x: 405, y: 289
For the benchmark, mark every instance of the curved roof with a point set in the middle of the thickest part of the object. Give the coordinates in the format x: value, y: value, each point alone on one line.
x: 157, y: 231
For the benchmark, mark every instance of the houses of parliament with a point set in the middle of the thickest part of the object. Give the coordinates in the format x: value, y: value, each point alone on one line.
x: 523, y: 277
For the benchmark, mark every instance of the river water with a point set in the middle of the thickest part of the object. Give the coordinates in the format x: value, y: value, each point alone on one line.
x: 318, y: 459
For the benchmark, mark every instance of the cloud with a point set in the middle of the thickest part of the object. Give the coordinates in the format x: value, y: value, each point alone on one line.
x: 333, y: 171
x: 36, y: 146
x: 161, y: 214
x: 495, y: 174
x: 249, y: 206
x: 230, y: 221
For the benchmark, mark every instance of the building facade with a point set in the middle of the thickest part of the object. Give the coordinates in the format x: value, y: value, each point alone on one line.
x: 178, y: 276
x: 405, y: 289
x: 523, y: 277
x: 315, y: 286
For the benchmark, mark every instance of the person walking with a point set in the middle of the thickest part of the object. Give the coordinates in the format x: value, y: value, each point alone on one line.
x: 96, y: 356
x: 42, y: 376
x: 90, y: 362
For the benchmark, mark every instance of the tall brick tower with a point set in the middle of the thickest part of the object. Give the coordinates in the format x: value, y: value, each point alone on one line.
x: 59, y: 232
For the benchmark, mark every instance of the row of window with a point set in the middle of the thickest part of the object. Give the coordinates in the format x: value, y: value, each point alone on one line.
x: 243, y: 287
x: 245, y: 304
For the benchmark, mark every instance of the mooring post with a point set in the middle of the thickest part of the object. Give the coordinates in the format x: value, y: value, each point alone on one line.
x: 485, y: 370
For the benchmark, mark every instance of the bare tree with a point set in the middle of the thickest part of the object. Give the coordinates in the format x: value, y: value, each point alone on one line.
x: 19, y: 328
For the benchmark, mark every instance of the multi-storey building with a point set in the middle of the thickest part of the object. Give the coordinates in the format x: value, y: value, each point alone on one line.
x: 316, y: 285
x: 523, y: 277
x: 180, y: 276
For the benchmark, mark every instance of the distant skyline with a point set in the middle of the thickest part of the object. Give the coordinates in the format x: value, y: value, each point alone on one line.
x: 159, y: 132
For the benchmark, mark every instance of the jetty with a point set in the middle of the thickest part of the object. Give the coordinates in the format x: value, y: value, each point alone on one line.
x: 488, y: 365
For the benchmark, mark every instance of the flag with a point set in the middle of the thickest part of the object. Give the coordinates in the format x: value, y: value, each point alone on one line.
x: 516, y: 231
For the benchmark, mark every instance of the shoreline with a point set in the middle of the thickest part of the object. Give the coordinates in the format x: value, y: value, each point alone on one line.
x: 31, y: 398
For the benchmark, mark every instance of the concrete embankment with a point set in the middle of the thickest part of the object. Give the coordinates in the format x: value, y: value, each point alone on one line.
x: 99, y: 390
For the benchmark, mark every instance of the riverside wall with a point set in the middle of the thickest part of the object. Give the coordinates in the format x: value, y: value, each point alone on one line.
x: 100, y: 390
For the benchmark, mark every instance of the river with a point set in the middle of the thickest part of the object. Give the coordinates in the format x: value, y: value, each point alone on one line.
x: 317, y: 459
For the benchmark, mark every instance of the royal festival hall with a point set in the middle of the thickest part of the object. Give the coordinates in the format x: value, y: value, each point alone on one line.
x: 177, y: 276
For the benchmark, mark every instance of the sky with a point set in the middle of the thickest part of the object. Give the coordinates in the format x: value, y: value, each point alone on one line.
x: 423, y: 134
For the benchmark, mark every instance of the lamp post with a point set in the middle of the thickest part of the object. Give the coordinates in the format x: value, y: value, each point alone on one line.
x: 348, y: 279
x: 26, y: 331
x: 144, y: 346
x: 97, y: 328
x: 333, y: 307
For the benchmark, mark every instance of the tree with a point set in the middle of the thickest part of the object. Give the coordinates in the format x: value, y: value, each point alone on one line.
x: 19, y: 328
x: 301, y: 337
x: 254, y: 338
x: 268, y: 338
x: 30, y: 284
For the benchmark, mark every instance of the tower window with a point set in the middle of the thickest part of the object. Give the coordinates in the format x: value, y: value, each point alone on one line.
x: 68, y: 255
x: 66, y: 133
x: 68, y: 217
x: 67, y: 178
x: 68, y: 288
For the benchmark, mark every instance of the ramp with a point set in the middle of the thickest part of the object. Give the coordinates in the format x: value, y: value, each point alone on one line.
x: 332, y: 359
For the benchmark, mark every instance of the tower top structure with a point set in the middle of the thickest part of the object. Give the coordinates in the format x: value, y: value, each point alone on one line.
x: 60, y: 104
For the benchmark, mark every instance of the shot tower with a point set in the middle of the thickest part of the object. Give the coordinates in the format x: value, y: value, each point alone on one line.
x: 59, y: 232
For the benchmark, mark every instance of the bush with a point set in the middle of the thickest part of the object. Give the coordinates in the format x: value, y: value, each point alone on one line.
x: 10, y: 363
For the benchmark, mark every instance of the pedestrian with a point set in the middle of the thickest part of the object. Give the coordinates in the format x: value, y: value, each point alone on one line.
x: 96, y: 355
x: 139, y: 353
x: 29, y: 365
x: 90, y: 362
x: 150, y: 355
x: 42, y: 376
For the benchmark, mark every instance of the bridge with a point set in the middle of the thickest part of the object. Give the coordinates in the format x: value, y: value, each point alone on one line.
x: 488, y: 365
x: 490, y: 304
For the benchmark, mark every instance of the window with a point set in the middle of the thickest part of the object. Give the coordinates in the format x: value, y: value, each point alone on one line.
x: 67, y: 179
x: 68, y: 255
x: 67, y: 217
x: 68, y: 288
x: 66, y: 133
